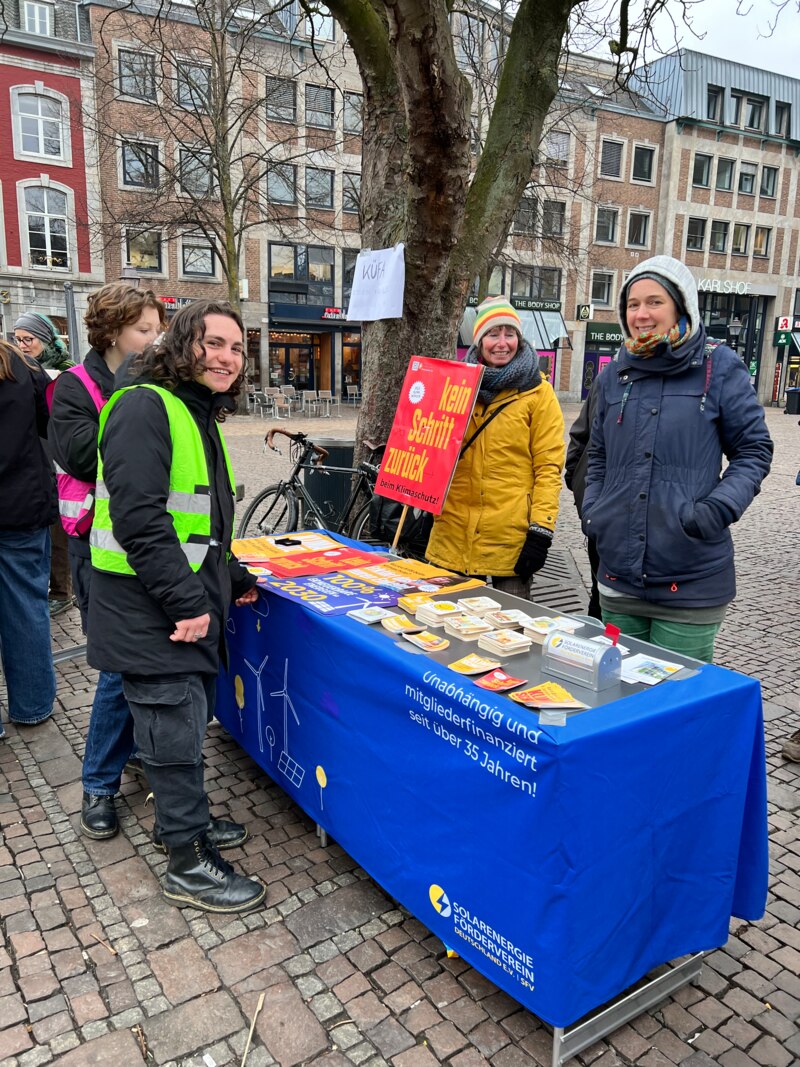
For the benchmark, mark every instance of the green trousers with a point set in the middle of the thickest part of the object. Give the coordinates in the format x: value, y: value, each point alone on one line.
x: 687, y: 638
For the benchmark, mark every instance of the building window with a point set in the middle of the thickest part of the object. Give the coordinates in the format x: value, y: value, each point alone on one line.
x: 282, y: 184
x: 736, y: 109
x: 320, y: 27
x: 197, y: 256
x: 38, y: 18
x: 525, y: 215
x: 353, y: 113
x: 602, y: 288
x: 556, y: 148
x: 319, y: 187
x: 754, y: 114
x: 701, y: 174
x: 40, y: 126
x: 714, y: 99
x: 140, y: 165
x: 643, y: 160
x: 611, y: 159
x: 761, y: 241
x: 741, y: 239
x: 783, y: 114
x: 319, y: 107
x: 302, y: 274
x: 536, y: 283
x: 46, y: 222
x: 195, y: 171
x: 696, y: 235
x: 320, y: 267
x: 193, y: 86
x: 137, y: 74
x: 725, y: 170
x: 349, y: 257
x: 282, y: 265
x: 351, y: 193
x: 719, y: 237
x: 143, y: 250
x: 281, y: 100
x: 747, y: 178
x: 638, y: 229
x: 553, y: 216
x: 606, y: 226
x: 549, y: 283
x: 769, y: 181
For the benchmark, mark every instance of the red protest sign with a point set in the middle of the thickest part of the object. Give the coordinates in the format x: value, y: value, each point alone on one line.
x: 432, y: 416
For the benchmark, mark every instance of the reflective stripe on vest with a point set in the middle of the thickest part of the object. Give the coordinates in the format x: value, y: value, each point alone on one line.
x: 189, y: 500
x: 76, y: 497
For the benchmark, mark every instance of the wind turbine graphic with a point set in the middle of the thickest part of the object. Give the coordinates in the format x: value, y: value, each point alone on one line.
x: 260, y: 697
x: 288, y: 767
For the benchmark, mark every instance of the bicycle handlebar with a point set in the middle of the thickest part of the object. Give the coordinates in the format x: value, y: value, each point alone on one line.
x: 300, y: 439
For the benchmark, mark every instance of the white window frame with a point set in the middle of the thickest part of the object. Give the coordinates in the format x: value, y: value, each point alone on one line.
x: 40, y: 89
x: 622, y: 159
x: 196, y: 236
x: 732, y: 186
x: 648, y: 236
x: 135, y: 49
x: 194, y: 149
x: 34, y: 6
x: 617, y: 212
x: 45, y: 181
x: 162, y: 272
x: 556, y: 161
x: 648, y: 148
x: 750, y: 172
x: 135, y: 140
x: 613, y: 277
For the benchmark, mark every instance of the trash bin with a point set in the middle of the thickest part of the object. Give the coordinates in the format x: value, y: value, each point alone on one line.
x: 792, y: 402
x: 330, y: 490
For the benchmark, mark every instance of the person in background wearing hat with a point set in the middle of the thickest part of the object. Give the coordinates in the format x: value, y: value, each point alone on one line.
x: 38, y: 338
x: 501, y: 510
x: 656, y: 500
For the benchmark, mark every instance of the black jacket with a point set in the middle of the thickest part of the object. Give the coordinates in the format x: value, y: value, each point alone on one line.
x: 131, y: 618
x: 577, y: 461
x: 74, y: 424
x: 28, y: 498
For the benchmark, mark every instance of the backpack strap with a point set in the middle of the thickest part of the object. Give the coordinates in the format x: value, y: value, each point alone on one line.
x: 483, y: 425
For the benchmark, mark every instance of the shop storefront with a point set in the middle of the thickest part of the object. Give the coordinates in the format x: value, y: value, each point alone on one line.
x: 306, y: 345
x: 787, y: 364
x: 726, y: 301
x: 602, y: 344
x: 543, y: 327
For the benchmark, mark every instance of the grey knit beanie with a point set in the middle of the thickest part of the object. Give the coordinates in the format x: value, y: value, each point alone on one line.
x: 38, y: 325
x: 678, y: 281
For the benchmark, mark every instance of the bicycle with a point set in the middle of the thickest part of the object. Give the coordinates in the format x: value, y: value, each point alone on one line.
x: 282, y: 507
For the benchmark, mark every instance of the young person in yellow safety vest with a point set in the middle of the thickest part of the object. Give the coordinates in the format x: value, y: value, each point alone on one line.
x: 163, y: 578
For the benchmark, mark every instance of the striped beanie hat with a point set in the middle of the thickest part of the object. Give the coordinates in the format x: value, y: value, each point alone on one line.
x: 496, y: 311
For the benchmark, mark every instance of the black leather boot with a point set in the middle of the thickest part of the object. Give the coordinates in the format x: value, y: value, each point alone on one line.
x: 220, y: 834
x: 98, y: 817
x: 198, y: 877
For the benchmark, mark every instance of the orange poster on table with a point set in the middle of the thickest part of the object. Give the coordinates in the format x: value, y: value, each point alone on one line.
x: 432, y: 416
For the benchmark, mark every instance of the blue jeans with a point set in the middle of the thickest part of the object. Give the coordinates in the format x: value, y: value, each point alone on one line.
x: 109, y: 740
x: 25, y: 624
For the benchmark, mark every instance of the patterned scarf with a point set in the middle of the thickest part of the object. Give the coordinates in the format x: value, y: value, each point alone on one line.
x: 645, y: 344
x: 522, y: 372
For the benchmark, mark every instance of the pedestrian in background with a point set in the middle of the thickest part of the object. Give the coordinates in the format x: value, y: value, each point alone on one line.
x: 163, y: 578
x: 27, y: 509
x: 575, y: 468
x: 38, y: 337
x: 656, y: 500
x: 120, y: 321
x: 502, y: 506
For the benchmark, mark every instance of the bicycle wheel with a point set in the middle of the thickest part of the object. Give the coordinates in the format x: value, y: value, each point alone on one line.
x: 360, y: 528
x: 273, y: 511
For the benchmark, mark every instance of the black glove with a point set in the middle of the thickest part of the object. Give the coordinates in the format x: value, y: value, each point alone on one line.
x: 534, y: 552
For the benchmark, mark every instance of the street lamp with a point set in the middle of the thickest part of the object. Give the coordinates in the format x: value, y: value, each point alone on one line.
x: 734, y: 330
x: 131, y: 276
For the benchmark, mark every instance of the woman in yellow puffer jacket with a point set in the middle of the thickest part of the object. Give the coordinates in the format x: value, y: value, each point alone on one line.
x: 501, y: 510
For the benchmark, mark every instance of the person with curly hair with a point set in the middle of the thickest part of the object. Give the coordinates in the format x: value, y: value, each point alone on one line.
x: 163, y: 578
x: 27, y: 509
x: 120, y: 321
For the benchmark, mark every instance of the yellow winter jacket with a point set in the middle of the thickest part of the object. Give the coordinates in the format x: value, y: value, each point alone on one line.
x: 508, y: 478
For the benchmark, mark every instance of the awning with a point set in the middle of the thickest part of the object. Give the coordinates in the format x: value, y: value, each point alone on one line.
x: 543, y: 330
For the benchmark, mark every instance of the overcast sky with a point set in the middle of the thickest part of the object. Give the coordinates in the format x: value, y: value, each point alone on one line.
x: 741, y: 31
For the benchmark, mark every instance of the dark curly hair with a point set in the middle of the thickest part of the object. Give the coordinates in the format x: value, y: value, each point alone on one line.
x: 171, y: 359
x: 114, y: 306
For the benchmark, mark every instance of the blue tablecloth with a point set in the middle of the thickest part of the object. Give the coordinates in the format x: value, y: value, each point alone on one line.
x: 562, y: 862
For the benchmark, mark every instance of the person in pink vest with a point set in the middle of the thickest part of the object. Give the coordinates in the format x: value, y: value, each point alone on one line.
x: 120, y: 321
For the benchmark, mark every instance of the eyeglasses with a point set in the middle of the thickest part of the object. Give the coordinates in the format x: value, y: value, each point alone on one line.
x: 25, y: 341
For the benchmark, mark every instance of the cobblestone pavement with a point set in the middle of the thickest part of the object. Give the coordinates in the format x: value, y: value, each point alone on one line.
x: 96, y: 969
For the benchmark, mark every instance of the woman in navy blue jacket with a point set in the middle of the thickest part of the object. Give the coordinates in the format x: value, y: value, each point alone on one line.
x: 657, y: 501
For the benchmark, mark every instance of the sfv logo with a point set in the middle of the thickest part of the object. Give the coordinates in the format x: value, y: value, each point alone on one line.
x: 440, y: 901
